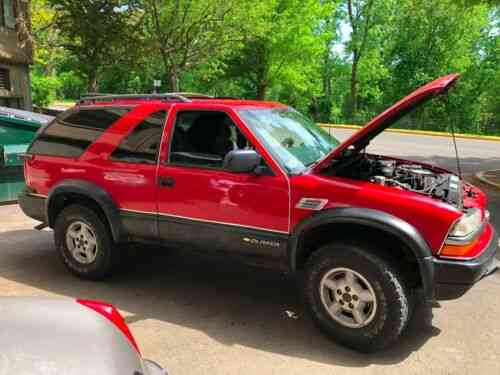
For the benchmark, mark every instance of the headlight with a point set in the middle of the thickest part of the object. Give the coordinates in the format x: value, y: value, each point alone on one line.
x: 468, y: 224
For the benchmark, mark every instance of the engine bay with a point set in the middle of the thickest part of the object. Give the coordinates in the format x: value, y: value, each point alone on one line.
x: 414, y: 177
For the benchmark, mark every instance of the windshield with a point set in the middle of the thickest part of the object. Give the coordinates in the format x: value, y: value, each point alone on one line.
x: 293, y: 140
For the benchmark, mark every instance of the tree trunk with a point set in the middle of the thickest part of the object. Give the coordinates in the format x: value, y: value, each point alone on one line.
x: 327, y: 86
x: 49, y: 69
x: 327, y: 75
x: 92, y: 82
x: 173, y: 79
x: 261, y: 90
x: 354, y: 87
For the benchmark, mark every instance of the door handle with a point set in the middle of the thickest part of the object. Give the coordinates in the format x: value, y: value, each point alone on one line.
x: 166, y: 181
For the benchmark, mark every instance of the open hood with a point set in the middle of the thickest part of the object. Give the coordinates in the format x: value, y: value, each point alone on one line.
x: 381, y: 122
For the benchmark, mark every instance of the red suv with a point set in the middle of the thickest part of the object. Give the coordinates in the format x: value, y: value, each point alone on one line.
x: 260, y: 181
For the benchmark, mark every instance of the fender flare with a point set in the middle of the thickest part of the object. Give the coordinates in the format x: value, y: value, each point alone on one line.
x: 93, y: 192
x: 376, y: 219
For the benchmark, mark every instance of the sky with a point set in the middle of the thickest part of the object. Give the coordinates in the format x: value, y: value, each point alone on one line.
x: 344, y: 33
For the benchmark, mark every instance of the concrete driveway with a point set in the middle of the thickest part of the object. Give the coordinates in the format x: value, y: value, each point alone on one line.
x: 197, y: 315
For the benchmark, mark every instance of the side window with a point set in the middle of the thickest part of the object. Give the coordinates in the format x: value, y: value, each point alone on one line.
x: 203, y: 138
x: 143, y: 143
x: 71, y: 133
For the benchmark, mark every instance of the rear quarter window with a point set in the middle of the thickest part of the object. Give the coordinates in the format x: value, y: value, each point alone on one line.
x: 143, y: 143
x: 71, y: 133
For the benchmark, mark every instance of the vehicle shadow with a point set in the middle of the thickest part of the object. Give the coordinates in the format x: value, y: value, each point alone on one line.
x: 232, y: 303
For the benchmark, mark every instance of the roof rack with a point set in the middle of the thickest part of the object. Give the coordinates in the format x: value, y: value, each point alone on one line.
x: 192, y: 95
x: 89, y: 94
x: 178, y: 96
x: 110, y: 98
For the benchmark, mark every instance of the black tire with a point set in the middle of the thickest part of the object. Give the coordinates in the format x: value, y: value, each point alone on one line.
x: 107, y: 255
x: 393, y: 303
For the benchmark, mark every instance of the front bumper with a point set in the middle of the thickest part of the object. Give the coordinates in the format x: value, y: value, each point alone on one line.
x: 452, y: 278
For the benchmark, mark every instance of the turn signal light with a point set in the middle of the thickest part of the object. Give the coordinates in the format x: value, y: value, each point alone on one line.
x: 459, y: 251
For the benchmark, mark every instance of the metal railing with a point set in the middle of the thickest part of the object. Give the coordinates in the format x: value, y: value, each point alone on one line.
x: 169, y: 96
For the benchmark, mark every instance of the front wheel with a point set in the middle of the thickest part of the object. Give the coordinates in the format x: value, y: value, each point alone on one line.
x: 356, y: 297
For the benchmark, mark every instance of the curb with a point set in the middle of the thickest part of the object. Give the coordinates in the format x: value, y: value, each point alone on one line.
x: 481, y: 177
x: 422, y: 132
x: 8, y: 203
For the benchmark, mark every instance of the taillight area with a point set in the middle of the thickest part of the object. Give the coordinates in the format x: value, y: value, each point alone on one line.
x: 27, y: 163
x: 113, y: 315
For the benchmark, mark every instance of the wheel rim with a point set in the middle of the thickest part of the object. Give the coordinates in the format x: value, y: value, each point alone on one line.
x: 348, y: 297
x: 81, y: 242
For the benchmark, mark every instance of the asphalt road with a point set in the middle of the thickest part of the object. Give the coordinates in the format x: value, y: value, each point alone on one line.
x: 196, y: 315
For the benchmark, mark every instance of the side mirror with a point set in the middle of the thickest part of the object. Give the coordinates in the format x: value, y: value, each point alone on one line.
x: 241, y: 161
x: 349, y: 151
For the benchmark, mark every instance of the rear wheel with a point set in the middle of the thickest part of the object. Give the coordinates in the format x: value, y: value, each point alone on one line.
x: 84, y: 243
x: 356, y: 297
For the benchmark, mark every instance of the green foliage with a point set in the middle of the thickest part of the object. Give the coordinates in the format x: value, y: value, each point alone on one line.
x: 97, y: 32
x: 44, y: 89
x: 71, y: 86
x: 185, y: 34
x: 338, y: 60
x: 432, y: 39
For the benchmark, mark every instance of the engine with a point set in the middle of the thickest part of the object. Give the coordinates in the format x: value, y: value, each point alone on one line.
x: 414, y: 177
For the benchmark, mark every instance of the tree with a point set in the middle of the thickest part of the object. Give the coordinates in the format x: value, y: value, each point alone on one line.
x: 99, y: 33
x: 431, y: 39
x: 47, y: 51
x: 340, y: 60
x: 281, y: 49
x: 481, y: 100
x: 360, y: 16
x: 188, y: 33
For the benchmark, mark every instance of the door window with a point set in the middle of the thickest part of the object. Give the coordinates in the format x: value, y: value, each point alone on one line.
x: 204, y: 138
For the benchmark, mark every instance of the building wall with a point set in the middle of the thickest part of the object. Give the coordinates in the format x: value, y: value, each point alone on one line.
x: 19, y: 95
x: 16, y: 55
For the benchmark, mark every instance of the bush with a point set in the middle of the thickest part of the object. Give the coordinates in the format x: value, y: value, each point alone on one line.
x: 44, y: 89
x: 72, y: 86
